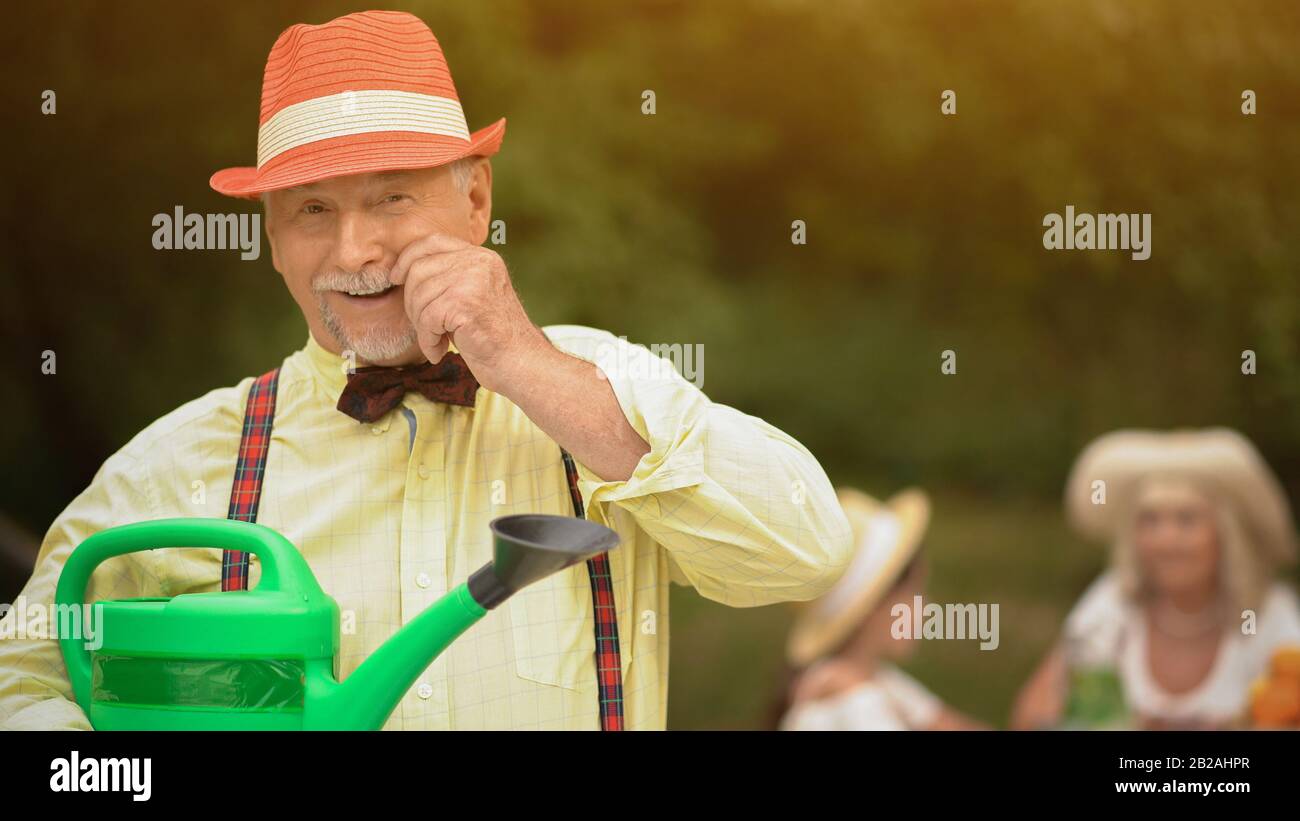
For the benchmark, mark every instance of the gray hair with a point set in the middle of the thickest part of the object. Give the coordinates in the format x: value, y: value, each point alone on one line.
x: 462, y: 172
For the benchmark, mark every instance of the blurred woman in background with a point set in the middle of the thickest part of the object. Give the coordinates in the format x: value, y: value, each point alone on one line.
x: 1187, y: 616
x: 842, y: 646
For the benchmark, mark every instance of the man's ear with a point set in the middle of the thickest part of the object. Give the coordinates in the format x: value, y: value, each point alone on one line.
x: 480, y: 201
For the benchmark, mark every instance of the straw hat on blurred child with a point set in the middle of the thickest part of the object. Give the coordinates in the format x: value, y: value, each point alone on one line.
x: 1218, y: 461
x: 887, y: 537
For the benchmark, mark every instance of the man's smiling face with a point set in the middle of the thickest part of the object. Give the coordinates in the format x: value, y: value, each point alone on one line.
x: 336, y: 241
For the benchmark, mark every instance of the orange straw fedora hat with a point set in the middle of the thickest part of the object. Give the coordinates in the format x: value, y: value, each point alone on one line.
x: 362, y: 93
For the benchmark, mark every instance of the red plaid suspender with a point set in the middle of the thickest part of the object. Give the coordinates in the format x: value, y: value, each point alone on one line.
x: 246, y: 493
x: 609, y: 666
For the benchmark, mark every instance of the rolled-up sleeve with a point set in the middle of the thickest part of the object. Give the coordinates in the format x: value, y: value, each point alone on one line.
x: 744, y: 511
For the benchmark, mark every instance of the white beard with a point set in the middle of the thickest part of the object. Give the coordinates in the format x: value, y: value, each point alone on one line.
x: 376, y: 343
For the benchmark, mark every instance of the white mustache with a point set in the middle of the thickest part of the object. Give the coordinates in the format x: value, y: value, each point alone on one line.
x: 343, y: 281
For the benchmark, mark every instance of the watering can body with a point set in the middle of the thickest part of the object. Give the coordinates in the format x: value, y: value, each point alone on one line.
x: 266, y: 658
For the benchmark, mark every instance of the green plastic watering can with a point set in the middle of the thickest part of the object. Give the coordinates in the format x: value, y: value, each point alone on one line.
x: 266, y: 658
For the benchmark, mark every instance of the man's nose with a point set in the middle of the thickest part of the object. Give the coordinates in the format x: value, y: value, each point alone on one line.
x: 360, y: 242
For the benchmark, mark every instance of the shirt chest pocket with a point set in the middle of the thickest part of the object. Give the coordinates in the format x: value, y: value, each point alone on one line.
x: 553, y: 630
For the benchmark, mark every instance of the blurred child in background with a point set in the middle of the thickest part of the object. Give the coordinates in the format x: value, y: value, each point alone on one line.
x: 1189, y: 613
x: 842, y: 646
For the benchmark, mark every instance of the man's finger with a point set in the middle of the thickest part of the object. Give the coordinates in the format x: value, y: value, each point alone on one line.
x: 426, y: 246
x: 433, y: 346
x: 427, y: 288
x: 433, y: 320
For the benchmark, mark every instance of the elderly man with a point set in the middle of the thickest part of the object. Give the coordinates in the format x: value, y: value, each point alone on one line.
x: 424, y: 404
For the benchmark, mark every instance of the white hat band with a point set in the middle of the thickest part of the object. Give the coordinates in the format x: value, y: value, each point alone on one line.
x: 358, y: 112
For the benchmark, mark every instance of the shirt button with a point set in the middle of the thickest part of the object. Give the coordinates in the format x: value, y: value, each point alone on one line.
x: 424, y: 691
x: 376, y: 430
x: 423, y: 580
x: 424, y: 472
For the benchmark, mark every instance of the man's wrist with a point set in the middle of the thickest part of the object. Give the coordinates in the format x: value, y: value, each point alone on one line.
x: 529, y: 367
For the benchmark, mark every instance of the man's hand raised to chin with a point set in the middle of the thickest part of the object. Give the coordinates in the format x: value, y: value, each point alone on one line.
x: 459, y: 292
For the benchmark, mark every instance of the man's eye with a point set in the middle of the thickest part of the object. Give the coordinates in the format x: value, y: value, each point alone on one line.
x: 394, y: 197
x: 313, y: 208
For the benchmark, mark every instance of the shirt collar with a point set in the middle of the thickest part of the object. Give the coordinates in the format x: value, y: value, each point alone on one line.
x: 329, y: 369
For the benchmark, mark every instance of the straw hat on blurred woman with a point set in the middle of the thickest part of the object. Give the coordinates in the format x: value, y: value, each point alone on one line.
x: 1189, y: 611
x: 841, y: 644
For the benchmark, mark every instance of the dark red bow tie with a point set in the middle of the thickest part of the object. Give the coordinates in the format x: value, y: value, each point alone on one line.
x: 373, y: 392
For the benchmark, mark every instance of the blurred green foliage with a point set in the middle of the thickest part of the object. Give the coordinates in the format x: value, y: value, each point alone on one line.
x: 924, y: 234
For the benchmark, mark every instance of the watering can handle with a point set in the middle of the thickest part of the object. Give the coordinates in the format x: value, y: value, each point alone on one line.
x: 283, y: 568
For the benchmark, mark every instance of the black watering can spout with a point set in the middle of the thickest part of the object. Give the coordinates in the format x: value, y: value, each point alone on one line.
x: 530, y: 547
